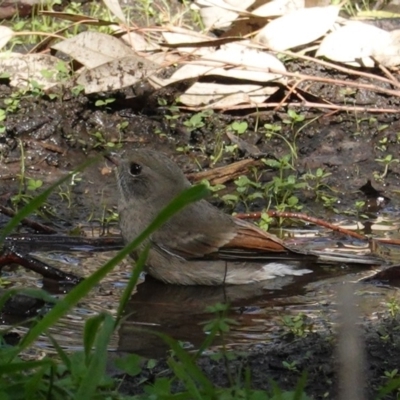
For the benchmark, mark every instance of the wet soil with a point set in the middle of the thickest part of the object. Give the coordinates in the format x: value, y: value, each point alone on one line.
x: 58, y: 135
x: 314, y: 356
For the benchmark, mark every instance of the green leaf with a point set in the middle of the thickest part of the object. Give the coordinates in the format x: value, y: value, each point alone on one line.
x: 130, y: 364
x: 95, y: 373
x: 92, y: 325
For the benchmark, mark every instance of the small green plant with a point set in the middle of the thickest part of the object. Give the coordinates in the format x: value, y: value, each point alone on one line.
x: 61, y: 72
x: 238, y: 127
x: 104, y: 102
x: 393, y: 307
x: 293, y: 118
x: 291, y: 366
x: 298, y: 325
x: 265, y: 221
x: 108, y: 217
x: 386, y: 162
x: 122, y: 126
x: 246, y: 191
x: 220, y: 148
x: 185, y: 149
x: 4, y: 282
x: 271, y: 129
x: 65, y: 189
x: 173, y: 116
x: 357, y: 210
x: 282, y: 188
x: 77, y: 90
x: 330, y: 202
x: 27, y: 186
x: 102, y: 143
x: 316, y: 180
x: 212, y: 188
x: 196, y: 121
x: 12, y: 103
x: 36, y: 89
x: 3, y: 117
x: 391, y: 374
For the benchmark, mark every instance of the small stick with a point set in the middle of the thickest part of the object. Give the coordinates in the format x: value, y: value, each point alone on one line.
x: 9, y: 256
x: 28, y: 222
x: 303, y: 217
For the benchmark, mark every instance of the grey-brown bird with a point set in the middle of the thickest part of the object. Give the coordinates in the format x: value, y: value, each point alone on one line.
x: 200, y: 245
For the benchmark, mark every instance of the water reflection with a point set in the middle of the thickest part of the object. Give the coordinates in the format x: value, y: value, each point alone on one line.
x: 180, y: 311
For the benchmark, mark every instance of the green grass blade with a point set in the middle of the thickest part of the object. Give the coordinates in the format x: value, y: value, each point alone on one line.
x: 92, y: 325
x: 191, y: 374
x: 60, y: 351
x: 24, y: 366
x: 98, y: 360
x: 132, y: 283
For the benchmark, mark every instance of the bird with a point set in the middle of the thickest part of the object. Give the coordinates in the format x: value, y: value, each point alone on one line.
x: 201, y: 244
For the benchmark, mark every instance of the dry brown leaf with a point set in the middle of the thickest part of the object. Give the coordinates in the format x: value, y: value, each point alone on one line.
x: 139, y: 42
x: 93, y: 48
x: 298, y: 28
x: 221, y: 13
x: 5, y: 35
x: 278, y: 7
x: 225, y: 96
x: 389, y: 54
x: 41, y: 68
x: 115, y: 8
x: 354, y: 43
x: 233, y: 60
x: 164, y: 58
x: 116, y: 74
x: 187, y: 36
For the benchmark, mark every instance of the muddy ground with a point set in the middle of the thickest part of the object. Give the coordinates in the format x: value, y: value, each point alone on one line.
x: 58, y: 135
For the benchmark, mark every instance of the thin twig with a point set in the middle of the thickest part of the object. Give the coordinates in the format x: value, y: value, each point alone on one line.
x: 28, y: 222
x: 303, y: 217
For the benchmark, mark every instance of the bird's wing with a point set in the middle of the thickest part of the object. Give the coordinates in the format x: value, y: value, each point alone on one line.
x: 199, y: 229
x: 217, y: 235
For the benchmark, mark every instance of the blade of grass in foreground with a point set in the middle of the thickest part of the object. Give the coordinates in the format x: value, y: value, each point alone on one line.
x: 98, y: 359
x: 190, y: 195
x: 98, y: 332
x: 131, y: 283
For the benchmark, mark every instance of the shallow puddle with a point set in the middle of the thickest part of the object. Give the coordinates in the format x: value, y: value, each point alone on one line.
x: 262, y: 312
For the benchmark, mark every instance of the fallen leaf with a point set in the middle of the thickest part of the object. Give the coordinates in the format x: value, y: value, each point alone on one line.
x: 115, y: 8
x: 93, y: 48
x: 278, y: 7
x: 41, y: 68
x: 5, y: 35
x: 388, y: 54
x: 298, y: 28
x: 353, y: 43
x: 116, y: 74
x: 218, y: 14
x: 186, y: 36
x: 139, y: 42
x: 225, y: 96
x: 233, y: 60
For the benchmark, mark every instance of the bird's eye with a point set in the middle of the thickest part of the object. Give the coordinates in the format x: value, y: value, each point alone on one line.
x: 135, y: 169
